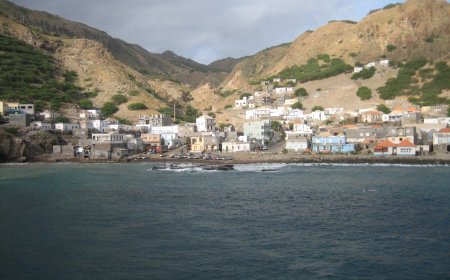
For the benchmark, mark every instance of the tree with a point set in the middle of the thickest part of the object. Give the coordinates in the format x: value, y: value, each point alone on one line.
x: 85, y: 104
x: 137, y: 106
x: 276, y: 126
x: 109, y: 109
x: 297, y: 105
x: 383, y: 108
x: 448, y: 112
x: 390, y: 47
x: 364, y: 93
x: 317, y: 108
x: 119, y: 99
x: 301, y: 92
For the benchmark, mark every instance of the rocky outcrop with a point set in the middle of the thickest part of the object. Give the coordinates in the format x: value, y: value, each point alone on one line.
x: 12, y: 148
x: 29, y: 145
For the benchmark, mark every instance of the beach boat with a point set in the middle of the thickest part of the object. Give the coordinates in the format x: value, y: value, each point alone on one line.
x: 269, y: 170
x: 224, y: 167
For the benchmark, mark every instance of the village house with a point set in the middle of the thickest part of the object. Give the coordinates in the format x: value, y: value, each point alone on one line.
x: 372, y: 117
x: 186, y: 130
x: 245, y: 102
x: 66, y: 127
x: 19, y: 119
x: 90, y: 114
x: 297, y: 142
x: 360, y: 134
x: 295, y: 114
x: 100, y: 125
x: 435, y: 111
x: 439, y: 120
x: 333, y: 111
x: 153, y: 142
x: 205, y: 143
x: 40, y: 125
x: 441, y: 141
x: 388, y: 148
x: 24, y: 108
x: 155, y: 120
x: 328, y: 143
x: 258, y: 130
x: 3, y: 108
x: 317, y: 116
x: 284, y: 90
x: 205, y: 123
x: 48, y: 115
x: 398, y: 134
x: 108, y: 146
x: 236, y: 146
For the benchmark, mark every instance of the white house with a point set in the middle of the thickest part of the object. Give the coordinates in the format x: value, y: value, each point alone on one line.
x: 302, y: 129
x: 281, y: 90
x: 317, y: 115
x: 370, y: 64
x: 235, y: 146
x: 357, y: 69
x: 90, y: 114
x: 276, y: 80
x: 49, y: 115
x: 111, y: 138
x: 295, y: 114
x: 244, y: 102
x: 164, y: 129
x: 437, y: 120
x: 100, y: 125
x: 333, y: 111
x: 295, y: 142
x: 205, y: 123
x: 123, y: 127
x: 65, y: 127
x: 384, y: 62
x: 41, y: 125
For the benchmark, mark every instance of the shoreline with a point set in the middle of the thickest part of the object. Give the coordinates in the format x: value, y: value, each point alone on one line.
x: 266, y: 157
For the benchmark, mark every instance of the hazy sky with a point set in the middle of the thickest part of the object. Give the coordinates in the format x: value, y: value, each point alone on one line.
x: 206, y: 30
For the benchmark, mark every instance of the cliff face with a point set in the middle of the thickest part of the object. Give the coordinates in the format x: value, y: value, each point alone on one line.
x: 416, y: 28
x: 11, y: 147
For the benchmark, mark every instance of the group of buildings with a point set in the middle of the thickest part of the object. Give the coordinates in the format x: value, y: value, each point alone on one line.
x: 404, y: 131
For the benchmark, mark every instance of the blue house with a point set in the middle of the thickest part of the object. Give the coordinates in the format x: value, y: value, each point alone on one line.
x: 331, y: 144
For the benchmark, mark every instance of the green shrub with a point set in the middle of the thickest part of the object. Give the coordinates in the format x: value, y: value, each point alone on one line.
x: 317, y: 108
x: 390, y: 48
x: 297, y: 105
x: 383, y: 108
x: 228, y: 106
x: 364, y: 74
x: 109, y: 109
x: 313, y: 71
x: 364, y: 93
x: 62, y: 119
x: 119, y: 99
x: 85, y: 104
x: 301, y: 92
x: 133, y: 93
x: 137, y: 106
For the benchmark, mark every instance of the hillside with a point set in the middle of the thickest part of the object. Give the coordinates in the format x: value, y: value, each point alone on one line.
x: 397, y: 32
x: 98, y: 73
x: 166, y: 65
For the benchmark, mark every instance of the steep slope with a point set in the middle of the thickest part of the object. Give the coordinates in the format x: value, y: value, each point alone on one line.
x: 97, y: 69
x: 166, y: 65
x: 416, y: 28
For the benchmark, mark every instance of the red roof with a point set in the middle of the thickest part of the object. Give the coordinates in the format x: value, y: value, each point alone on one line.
x: 405, y: 143
x: 387, y: 143
x: 445, y: 130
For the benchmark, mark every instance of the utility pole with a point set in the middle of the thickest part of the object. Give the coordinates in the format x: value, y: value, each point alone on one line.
x: 174, y: 112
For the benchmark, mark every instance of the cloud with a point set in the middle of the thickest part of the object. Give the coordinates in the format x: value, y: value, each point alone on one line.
x: 206, y: 30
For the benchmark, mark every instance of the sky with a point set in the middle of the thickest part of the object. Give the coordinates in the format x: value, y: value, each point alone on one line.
x: 206, y: 30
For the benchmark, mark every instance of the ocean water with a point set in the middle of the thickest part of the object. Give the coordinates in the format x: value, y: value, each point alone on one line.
x: 125, y: 221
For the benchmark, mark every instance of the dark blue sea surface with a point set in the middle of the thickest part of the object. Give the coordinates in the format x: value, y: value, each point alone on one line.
x: 126, y: 221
